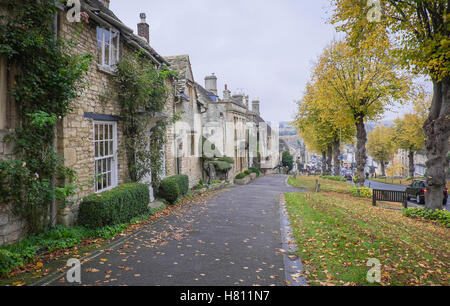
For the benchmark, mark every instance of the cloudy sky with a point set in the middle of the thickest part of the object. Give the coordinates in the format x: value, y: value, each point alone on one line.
x: 263, y: 48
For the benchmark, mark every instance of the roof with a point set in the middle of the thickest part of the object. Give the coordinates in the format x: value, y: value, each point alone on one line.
x: 182, y: 64
x: 204, y: 94
x: 103, y: 15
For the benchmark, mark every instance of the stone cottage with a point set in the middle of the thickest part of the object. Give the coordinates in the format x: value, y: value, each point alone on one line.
x: 187, y: 132
x: 234, y: 128
x: 90, y: 137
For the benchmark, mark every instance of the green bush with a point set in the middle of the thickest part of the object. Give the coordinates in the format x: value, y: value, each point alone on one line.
x: 183, y: 183
x: 441, y: 216
x: 240, y: 176
x: 169, y: 190
x: 226, y: 159
x: 364, y: 192
x: 333, y: 178
x: 116, y: 206
x: 222, y: 166
x: 258, y: 171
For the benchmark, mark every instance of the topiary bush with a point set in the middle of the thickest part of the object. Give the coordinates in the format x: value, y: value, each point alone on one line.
x: 116, y: 206
x: 169, y: 189
x: 183, y: 183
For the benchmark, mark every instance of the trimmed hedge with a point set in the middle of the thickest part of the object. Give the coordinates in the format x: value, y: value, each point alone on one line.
x: 169, y: 190
x: 117, y: 206
x: 173, y: 187
x: 183, y: 183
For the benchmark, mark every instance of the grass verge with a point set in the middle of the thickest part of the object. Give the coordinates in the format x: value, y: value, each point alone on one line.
x: 337, y: 234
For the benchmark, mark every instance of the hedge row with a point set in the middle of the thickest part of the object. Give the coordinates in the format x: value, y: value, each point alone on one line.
x: 173, y: 187
x: 116, y: 206
x: 441, y: 216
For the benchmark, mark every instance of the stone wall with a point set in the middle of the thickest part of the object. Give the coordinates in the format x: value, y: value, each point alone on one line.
x: 75, y: 133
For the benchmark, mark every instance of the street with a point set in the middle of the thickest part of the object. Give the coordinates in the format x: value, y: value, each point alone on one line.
x: 231, y: 239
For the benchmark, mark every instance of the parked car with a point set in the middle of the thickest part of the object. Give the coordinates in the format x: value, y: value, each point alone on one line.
x: 418, y: 189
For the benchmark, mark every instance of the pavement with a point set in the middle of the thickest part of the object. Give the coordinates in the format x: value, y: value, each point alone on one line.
x: 383, y: 186
x: 232, y: 238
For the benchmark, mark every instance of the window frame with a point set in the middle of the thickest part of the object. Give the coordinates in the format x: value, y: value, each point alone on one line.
x: 102, y: 64
x: 112, y: 157
x: 3, y: 93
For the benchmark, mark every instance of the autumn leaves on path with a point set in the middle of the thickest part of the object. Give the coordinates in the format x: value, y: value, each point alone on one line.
x: 231, y: 238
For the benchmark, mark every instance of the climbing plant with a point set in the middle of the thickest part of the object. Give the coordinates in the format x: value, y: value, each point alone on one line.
x: 48, y: 76
x: 142, y: 93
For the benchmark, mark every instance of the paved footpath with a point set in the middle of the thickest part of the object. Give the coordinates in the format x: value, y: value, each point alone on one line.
x: 232, y: 238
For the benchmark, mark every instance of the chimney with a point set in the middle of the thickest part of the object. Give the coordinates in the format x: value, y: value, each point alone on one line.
x: 255, y: 106
x: 144, y: 28
x: 105, y: 3
x: 211, y: 84
x: 226, y: 94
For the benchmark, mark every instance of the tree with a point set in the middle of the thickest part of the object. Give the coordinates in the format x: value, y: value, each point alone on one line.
x: 287, y: 160
x: 316, y: 121
x: 365, y: 81
x: 380, y: 146
x: 423, y: 44
x: 410, y: 136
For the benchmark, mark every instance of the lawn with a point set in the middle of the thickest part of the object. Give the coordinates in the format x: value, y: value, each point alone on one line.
x: 337, y: 234
x: 309, y: 183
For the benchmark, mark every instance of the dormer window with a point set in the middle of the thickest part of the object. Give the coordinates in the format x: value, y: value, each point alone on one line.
x: 107, y: 48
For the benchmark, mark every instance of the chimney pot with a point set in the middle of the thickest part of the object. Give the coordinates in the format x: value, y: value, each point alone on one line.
x: 226, y: 94
x: 211, y: 84
x: 144, y: 28
x: 255, y: 107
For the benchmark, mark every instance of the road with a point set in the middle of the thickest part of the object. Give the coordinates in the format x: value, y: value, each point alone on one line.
x: 383, y: 186
x: 232, y: 238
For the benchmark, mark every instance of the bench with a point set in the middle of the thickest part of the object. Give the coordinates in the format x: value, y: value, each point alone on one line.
x: 390, y: 196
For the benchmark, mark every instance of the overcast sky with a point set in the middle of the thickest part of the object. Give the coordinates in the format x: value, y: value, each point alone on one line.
x: 264, y: 48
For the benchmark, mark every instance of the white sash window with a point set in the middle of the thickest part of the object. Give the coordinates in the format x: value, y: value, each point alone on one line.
x: 105, y: 148
x: 108, y: 47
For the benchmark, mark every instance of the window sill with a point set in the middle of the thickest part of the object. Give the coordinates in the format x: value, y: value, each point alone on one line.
x: 107, y: 70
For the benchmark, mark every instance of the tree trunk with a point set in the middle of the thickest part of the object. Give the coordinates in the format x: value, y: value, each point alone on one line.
x: 329, y: 160
x: 361, y: 153
x: 437, y: 130
x: 383, y: 168
x: 336, y: 153
x: 324, y: 163
x: 412, y: 168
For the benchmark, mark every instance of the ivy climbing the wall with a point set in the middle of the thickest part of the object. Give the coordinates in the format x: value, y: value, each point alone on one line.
x: 48, y: 77
x: 142, y: 94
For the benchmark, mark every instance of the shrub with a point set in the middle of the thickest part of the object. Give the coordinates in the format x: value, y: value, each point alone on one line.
x: 247, y: 172
x: 169, y: 190
x: 258, y: 171
x: 240, y: 176
x: 441, y: 216
x: 333, y: 178
x: 364, y: 192
x: 222, y: 166
x: 226, y: 159
x: 183, y: 183
x: 116, y: 206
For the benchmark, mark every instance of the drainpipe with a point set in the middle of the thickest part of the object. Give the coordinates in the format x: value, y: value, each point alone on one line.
x: 53, y: 211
